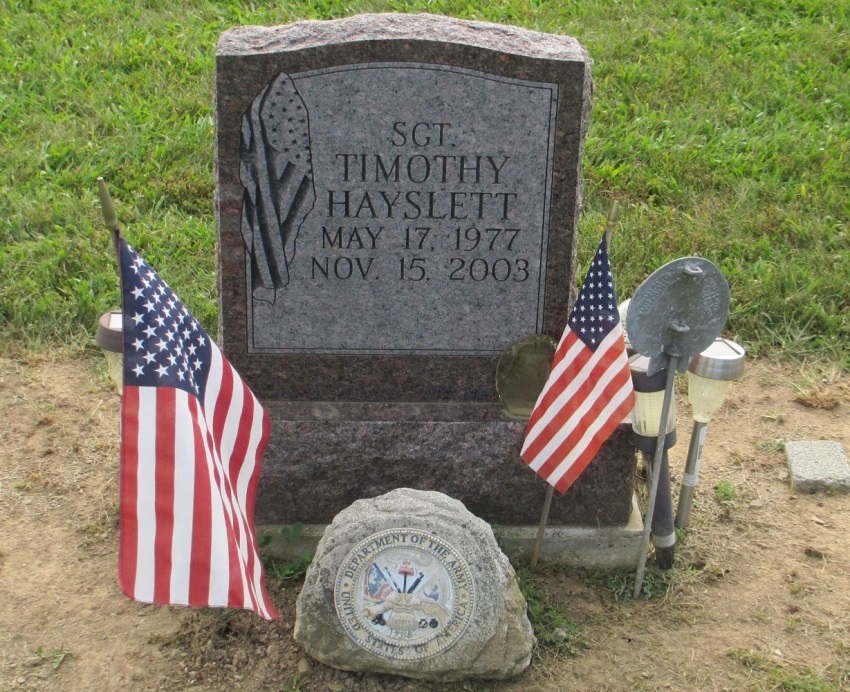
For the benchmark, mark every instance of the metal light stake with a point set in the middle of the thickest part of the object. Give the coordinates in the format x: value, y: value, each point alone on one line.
x: 710, y: 375
x: 655, y: 473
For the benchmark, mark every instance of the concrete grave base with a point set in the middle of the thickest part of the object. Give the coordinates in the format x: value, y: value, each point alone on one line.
x: 606, y: 547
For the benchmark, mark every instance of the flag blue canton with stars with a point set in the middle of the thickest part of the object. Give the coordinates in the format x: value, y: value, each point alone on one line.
x: 164, y: 345
x: 595, y: 312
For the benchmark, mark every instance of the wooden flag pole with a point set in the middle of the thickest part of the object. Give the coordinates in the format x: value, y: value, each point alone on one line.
x: 613, y: 213
x: 109, y: 216
x: 612, y: 222
x: 541, y: 528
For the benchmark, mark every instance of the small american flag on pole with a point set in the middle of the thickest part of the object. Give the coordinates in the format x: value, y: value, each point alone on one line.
x: 589, y: 390
x: 192, y: 437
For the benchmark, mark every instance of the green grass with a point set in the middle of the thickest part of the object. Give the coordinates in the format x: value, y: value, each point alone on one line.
x: 722, y: 126
x: 620, y: 583
x: 56, y: 656
x: 725, y: 492
x: 289, y: 571
x: 554, y: 630
x: 775, y: 677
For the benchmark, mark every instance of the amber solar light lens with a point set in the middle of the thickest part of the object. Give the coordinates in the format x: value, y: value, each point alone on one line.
x: 521, y: 373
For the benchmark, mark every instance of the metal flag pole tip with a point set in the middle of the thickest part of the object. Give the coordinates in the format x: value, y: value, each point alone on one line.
x: 110, y: 218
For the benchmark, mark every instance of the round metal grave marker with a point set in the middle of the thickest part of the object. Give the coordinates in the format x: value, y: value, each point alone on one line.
x: 679, y: 310
x: 404, y: 594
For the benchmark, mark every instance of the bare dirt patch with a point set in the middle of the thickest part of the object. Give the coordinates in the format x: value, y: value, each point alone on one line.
x: 759, y: 597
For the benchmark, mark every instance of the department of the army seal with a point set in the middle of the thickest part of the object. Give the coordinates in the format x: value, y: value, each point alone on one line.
x: 404, y: 594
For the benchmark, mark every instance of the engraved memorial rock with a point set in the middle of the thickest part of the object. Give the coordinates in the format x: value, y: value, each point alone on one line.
x: 397, y: 200
x: 411, y: 583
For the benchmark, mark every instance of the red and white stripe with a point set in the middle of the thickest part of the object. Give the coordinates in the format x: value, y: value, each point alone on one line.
x: 588, y: 394
x: 188, y: 480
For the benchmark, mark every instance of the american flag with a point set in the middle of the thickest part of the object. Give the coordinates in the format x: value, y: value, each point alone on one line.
x: 192, y: 437
x: 377, y: 587
x: 589, y: 390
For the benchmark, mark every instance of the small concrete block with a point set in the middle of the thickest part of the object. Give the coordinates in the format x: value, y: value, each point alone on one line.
x: 818, y: 465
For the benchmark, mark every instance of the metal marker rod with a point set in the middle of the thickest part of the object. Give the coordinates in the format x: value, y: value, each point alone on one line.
x: 656, y: 472
x: 544, y: 517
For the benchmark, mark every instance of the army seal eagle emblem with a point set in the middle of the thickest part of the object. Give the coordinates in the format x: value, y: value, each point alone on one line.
x: 404, y: 594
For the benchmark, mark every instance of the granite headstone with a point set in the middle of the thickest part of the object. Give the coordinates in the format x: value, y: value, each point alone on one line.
x: 397, y: 198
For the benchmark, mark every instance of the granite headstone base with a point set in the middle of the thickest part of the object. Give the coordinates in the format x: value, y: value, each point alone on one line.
x: 324, y: 456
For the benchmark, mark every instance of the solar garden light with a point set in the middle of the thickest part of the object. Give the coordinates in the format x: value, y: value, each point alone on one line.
x: 710, y: 375
x: 110, y: 337
x: 646, y: 424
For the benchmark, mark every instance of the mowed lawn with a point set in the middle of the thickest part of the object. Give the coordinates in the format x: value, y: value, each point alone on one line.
x: 721, y: 126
